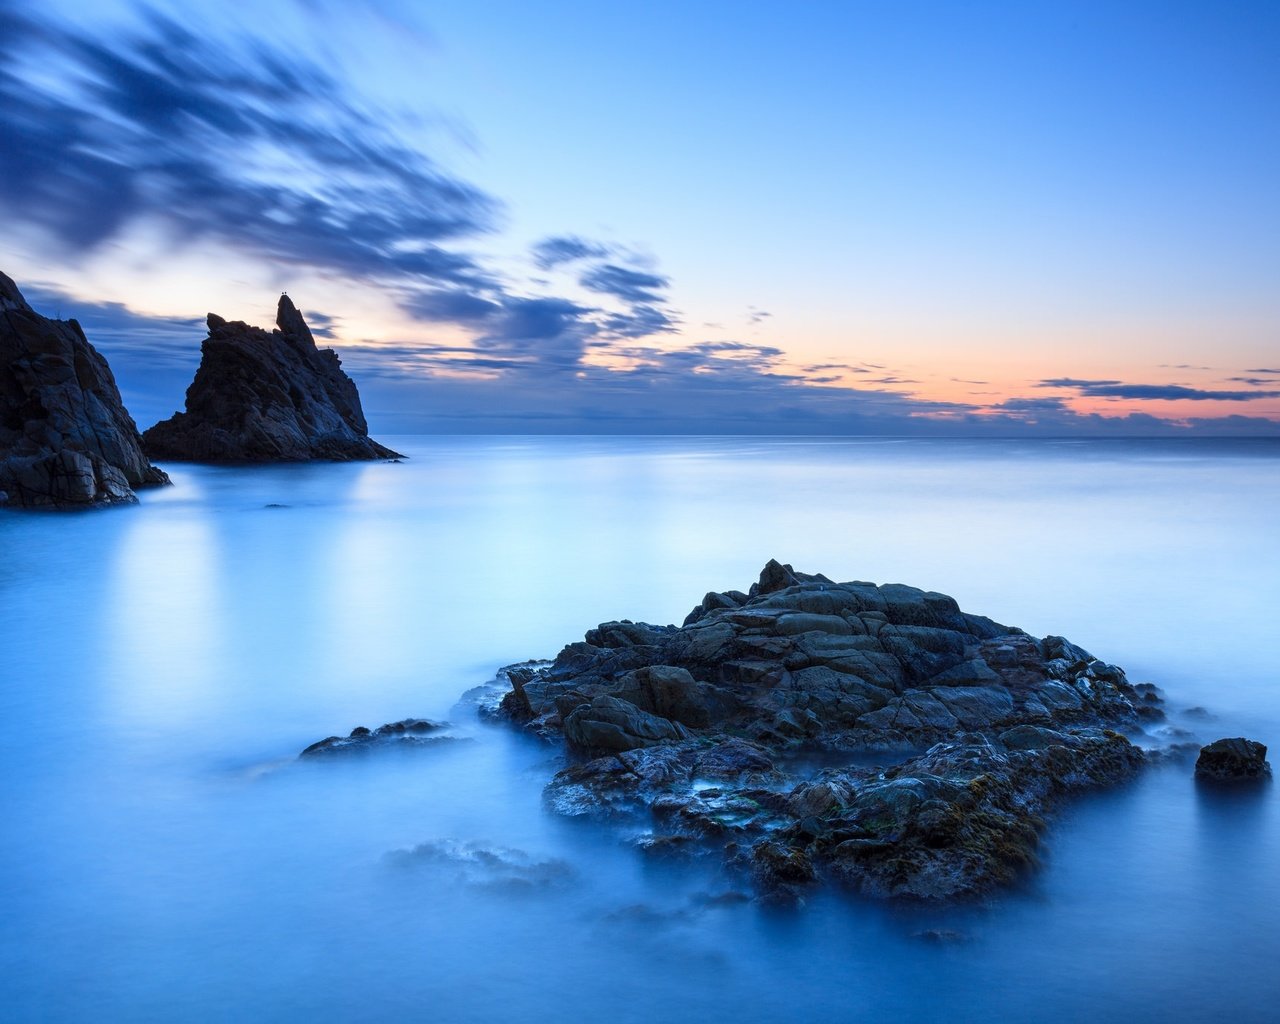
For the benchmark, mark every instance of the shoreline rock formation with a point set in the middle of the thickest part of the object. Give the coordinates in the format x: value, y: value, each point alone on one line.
x: 946, y: 737
x: 262, y: 396
x: 66, y: 439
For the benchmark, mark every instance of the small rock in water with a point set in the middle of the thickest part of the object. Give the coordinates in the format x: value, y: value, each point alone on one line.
x: 411, y: 731
x: 1233, y: 760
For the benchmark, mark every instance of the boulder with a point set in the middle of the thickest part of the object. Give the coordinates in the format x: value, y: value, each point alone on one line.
x: 750, y: 727
x: 266, y: 397
x: 1233, y: 760
x: 608, y: 723
x: 66, y: 440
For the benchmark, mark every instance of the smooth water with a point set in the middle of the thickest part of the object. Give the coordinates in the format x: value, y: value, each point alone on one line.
x: 164, y: 857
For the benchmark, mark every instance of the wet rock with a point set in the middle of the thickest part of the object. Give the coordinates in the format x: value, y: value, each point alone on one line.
x: 705, y: 730
x: 362, y: 740
x: 266, y: 397
x: 1233, y: 760
x: 66, y: 440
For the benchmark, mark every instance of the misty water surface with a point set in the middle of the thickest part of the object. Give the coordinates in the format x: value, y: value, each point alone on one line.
x: 166, y: 858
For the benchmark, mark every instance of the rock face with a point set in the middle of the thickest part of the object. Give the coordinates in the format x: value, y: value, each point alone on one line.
x: 66, y: 440
x: 946, y: 736
x: 1233, y: 760
x: 266, y: 397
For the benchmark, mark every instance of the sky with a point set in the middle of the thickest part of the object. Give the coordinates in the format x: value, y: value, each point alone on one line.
x: 796, y: 218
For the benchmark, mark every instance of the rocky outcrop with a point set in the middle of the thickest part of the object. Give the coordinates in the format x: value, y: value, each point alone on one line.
x: 263, y: 396
x: 1233, y: 760
x: 946, y: 736
x: 66, y: 440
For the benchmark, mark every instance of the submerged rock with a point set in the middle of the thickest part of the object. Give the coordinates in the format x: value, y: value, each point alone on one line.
x: 267, y: 397
x: 705, y: 732
x: 66, y: 440
x: 1233, y: 760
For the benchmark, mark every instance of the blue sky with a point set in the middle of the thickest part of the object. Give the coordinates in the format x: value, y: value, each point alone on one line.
x: 854, y: 217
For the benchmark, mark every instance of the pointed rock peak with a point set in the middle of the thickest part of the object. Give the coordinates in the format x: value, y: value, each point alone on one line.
x: 290, y: 321
x: 10, y: 297
x: 214, y: 321
x: 775, y: 576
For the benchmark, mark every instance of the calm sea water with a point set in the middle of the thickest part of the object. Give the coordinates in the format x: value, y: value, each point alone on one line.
x: 164, y: 857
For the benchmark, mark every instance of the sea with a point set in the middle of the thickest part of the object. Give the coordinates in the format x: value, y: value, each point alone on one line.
x: 165, y: 855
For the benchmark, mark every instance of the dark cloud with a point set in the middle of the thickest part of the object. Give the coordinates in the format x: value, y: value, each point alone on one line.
x: 755, y: 316
x: 323, y: 325
x: 1033, y: 405
x: 247, y: 145
x: 639, y: 321
x: 1262, y: 369
x: 1254, y: 381
x: 633, y: 286
x: 451, y: 306
x: 1152, y: 392
x: 557, y: 250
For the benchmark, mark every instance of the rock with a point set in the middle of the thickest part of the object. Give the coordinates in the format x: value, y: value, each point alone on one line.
x: 608, y: 723
x: 66, y: 440
x: 1233, y: 760
x: 981, y: 730
x: 408, y: 733
x: 266, y: 397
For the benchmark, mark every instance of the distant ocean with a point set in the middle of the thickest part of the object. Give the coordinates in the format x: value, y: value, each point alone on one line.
x: 165, y: 857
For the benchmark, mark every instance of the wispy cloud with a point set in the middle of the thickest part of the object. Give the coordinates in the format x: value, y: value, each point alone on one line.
x: 561, y: 249
x: 1152, y: 392
x: 634, y: 286
x: 250, y: 145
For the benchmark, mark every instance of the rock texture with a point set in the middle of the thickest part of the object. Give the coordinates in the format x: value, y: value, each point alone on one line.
x: 266, y: 397
x: 874, y: 735
x: 66, y: 440
x: 1233, y: 760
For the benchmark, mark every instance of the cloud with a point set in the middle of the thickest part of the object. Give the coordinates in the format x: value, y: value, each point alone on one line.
x: 634, y: 286
x: 1152, y: 392
x: 249, y: 145
x: 560, y: 249
x: 1072, y: 382
x: 842, y: 367
x: 639, y: 321
x: 451, y: 306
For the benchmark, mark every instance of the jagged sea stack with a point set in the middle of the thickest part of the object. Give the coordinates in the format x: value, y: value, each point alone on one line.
x: 266, y: 397
x: 66, y: 440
